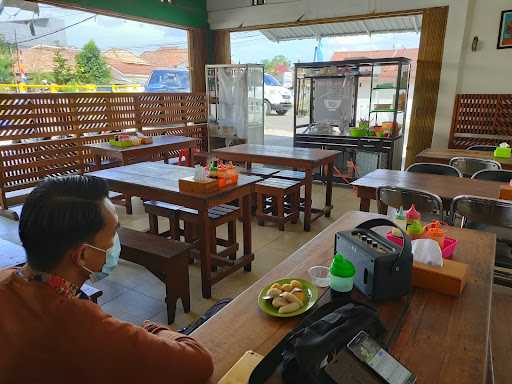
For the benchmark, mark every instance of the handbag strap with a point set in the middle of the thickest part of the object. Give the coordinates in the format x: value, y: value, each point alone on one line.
x: 406, y: 248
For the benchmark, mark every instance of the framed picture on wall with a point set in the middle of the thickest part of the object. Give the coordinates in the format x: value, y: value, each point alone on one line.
x: 505, y: 34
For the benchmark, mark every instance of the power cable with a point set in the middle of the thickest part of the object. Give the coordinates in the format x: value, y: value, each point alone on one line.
x: 58, y: 30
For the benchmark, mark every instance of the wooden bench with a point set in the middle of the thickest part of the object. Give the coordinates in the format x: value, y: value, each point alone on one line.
x: 166, y: 259
x: 277, y: 190
x: 13, y: 255
x: 262, y: 172
x: 219, y: 215
x: 49, y: 131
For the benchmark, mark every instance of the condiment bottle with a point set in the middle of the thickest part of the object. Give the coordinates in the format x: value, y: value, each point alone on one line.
x: 341, y: 274
x: 436, y: 234
x: 413, y: 226
x: 400, y: 221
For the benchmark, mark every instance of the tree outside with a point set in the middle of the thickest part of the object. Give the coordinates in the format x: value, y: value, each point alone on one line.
x: 272, y: 65
x: 62, y: 71
x: 91, y: 67
x: 6, y: 75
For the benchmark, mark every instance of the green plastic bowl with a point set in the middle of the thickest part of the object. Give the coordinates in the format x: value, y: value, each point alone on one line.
x: 502, y: 152
x: 358, y: 132
x: 309, y: 289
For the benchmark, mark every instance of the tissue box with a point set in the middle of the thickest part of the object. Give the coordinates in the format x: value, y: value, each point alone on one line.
x: 449, y: 279
x: 188, y: 184
x: 502, y: 152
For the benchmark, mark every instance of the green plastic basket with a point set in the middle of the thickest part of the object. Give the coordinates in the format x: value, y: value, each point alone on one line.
x: 121, y: 144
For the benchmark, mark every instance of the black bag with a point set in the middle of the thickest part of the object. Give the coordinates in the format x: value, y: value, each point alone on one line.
x: 325, y: 332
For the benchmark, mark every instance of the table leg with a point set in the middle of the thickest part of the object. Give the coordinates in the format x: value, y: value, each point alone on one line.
x: 308, y: 192
x: 328, y: 192
x: 364, y: 204
x: 189, y: 157
x: 97, y: 162
x: 246, y: 219
x: 204, y: 251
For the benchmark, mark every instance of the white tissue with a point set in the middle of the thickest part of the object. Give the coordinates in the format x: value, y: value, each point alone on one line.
x: 427, y: 251
x: 504, y: 145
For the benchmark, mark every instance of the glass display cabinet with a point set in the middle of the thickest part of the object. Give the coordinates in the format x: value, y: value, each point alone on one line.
x: 234, y: 96
x: 355, y: 106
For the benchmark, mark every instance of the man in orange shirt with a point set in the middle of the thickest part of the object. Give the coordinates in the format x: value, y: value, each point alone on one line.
x: 48, y: 333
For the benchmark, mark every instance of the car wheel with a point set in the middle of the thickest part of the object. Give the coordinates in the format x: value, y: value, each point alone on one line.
x: 281, y: 113
x: 268, y: 108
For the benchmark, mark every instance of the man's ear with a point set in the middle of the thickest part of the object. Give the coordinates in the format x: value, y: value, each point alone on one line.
x: 78, y: 255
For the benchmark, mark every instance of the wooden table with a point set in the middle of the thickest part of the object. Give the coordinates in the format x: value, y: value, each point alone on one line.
x: 443, y: 156
x: 160, y: 145
x: 442, y: 339
x: 304, y: 159
x: 158, y: 181
x: 446, y: 187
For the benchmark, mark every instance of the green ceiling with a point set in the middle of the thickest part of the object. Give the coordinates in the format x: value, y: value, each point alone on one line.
x: 186, y: 13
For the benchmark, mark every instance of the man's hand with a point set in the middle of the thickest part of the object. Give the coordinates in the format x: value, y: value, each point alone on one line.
x: 153, y: 327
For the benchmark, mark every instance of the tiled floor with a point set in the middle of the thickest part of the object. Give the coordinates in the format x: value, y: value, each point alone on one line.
x: 133, y: 294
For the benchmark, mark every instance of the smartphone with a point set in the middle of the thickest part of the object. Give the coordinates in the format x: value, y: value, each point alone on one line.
x: 369, y: 352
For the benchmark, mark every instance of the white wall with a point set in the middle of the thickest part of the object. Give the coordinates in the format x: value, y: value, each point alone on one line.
x: 488, y: 70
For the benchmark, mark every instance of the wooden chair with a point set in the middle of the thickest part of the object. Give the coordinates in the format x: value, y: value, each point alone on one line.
x: 166, y: 259
x: 277, y: 190
x: 219, y: 215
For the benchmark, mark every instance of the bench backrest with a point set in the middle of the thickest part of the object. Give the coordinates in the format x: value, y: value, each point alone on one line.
x: 50, y: 130
x: 481, y: 119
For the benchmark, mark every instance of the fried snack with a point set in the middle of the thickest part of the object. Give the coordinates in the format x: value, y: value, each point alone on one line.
x: 279, y: 302
x: 296, y: 284
x: 291, y: 298
x: 292, y: 307
x: 287, y: 287
x: 277, y: 285
x: 274, y: 292
x: 299, y: 294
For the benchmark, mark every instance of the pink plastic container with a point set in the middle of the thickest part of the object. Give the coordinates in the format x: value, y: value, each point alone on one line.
x: 447, y: 251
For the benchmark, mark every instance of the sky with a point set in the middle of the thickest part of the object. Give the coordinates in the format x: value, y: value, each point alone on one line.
x: 251, y: 47
x: 247, y: 47
x: 106, y: 31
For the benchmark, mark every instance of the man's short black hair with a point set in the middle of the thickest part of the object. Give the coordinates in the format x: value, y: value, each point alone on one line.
x: 59, y: 214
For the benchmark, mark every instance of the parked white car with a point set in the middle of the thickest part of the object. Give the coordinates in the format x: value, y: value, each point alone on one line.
x: 277, y: 97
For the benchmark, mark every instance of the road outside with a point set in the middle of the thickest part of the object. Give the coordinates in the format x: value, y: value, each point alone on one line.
x: 279, y: 129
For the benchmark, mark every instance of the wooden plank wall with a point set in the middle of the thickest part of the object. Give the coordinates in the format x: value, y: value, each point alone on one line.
x: 426, y: 88
x: 484, y: 119
x: 49, y: 131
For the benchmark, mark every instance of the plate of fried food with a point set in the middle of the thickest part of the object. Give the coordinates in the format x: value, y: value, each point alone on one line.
x: 287, y: 297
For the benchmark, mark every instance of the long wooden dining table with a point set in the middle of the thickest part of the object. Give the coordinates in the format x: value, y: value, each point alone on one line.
x: 440, y: 338
x: 443, y: 156
x: 446, y: 187
x: 159, y: 181
x: 304, y: 159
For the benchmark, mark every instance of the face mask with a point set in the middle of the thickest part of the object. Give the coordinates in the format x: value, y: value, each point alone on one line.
x: 111, y: 260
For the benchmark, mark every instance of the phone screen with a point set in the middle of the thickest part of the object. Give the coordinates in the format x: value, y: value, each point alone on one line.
x: 372, y: 354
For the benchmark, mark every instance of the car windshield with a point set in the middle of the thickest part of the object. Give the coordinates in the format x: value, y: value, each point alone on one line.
x: 170, y: 79
x: 270, y: 80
